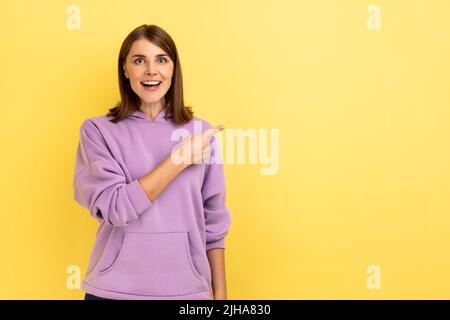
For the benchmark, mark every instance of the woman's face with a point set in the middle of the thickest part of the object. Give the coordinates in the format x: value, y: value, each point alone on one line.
x: 147, y: 62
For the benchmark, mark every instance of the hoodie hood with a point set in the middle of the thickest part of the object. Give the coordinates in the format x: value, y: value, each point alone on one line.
x: 139, y: 115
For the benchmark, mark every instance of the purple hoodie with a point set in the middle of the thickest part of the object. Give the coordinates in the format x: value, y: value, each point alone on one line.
x: 145, y: 249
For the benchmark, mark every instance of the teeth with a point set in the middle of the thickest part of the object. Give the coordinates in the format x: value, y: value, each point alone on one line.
x: 151, y: 82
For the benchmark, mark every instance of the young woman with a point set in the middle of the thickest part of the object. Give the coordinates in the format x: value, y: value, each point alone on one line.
x: 151, y: 173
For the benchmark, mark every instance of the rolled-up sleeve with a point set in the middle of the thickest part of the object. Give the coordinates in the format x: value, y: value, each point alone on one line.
x: 217, y: 215
x: 100, y: 184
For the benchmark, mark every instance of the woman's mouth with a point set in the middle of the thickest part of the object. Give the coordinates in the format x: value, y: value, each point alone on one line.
x: 151, y: 85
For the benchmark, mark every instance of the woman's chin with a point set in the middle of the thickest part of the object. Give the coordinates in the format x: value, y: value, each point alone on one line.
x: 147, y: 100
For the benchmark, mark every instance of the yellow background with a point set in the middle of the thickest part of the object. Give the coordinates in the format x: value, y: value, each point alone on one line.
x: 363, y: 116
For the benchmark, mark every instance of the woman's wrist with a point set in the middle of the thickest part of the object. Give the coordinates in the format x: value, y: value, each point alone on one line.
x: 175, y: 163
x: 220, y: 295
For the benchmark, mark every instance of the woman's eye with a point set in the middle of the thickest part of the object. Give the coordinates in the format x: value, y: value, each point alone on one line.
x: 137, y: 60
x: 163, y: 59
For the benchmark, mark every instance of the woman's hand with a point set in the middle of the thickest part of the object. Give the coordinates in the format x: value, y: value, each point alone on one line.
x: 190, y: 150
x: 195, y: 149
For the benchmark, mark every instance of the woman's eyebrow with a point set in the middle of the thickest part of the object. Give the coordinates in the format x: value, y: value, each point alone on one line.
x: 143, y: 56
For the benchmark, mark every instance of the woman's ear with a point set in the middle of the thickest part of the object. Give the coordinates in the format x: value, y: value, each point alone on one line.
x: 125, y: 72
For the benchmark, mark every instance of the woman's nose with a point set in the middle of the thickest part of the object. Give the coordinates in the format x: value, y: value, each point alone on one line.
x: 150, y: 68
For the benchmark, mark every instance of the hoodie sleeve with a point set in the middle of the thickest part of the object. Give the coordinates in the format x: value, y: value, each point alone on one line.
x: 99, y: 181
x: 217, y: 215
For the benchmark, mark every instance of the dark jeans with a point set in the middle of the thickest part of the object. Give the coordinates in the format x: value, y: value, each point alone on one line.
x: 92, y: 297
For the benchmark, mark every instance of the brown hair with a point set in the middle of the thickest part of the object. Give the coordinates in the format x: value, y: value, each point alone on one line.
x: 130, y: 101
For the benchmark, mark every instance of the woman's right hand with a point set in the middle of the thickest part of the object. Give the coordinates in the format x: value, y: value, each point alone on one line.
x: 195, y: 149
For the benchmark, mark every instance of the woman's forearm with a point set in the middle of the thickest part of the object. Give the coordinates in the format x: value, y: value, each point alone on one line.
x: 158, y: 179
x: 193, y: 149
x: 216, y: 259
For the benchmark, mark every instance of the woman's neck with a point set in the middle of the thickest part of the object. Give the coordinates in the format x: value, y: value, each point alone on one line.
x: 152, y: 109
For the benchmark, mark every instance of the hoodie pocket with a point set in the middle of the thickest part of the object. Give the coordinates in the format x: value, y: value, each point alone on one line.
x: 157, y: 264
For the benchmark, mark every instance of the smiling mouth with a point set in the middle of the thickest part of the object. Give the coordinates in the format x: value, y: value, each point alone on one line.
x: 151, y: 83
